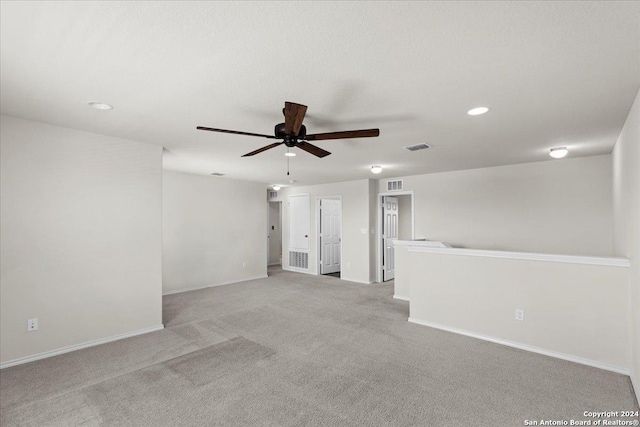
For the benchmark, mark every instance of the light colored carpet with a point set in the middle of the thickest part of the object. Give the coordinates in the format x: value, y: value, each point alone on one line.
x: 296, y: 350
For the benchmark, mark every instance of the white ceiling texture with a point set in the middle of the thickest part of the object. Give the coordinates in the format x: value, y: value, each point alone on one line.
x: 552, y: 73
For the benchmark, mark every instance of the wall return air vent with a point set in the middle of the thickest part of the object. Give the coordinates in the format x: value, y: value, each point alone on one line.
x: 417, y: 147
x: 272, y: 194
x: 299, y: 260
x: 395, y: 185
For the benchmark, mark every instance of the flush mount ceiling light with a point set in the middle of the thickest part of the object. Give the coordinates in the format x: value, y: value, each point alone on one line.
x: 477, y: 111
x: 276, y: 187
x: 100, y: 106
x: 558, y: 152
x: 376, y: 169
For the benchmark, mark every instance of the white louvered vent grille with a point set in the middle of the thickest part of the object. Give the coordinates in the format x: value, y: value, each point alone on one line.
x: 272, y: 195
x: 299, y: 260
x: 417, y: 147
x: 394, y: 185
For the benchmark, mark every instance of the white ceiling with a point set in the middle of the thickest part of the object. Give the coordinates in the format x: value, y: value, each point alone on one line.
x: 553, y: 73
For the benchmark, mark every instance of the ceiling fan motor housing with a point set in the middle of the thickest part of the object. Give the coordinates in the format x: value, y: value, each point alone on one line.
x: 289, y: 140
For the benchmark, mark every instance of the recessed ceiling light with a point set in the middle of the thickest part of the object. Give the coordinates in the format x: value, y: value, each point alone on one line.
x: 558, y: 152
x: 100, y: 106
x: 376, y: 169
x: 477, y: 111
x: 276, y: 187
x: 290, y: 154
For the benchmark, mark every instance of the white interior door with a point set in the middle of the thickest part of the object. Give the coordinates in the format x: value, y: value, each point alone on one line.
x: 330, y: 235
x: 389, y: 233
x: 275, y: 234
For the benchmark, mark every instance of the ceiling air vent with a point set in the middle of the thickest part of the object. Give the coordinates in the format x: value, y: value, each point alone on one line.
x: 217, y: 174
x: 417, y: 147
x: 395, y: 185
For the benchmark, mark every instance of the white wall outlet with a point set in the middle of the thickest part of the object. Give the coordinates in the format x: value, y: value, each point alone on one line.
x: 32, y: 325
x: 519, y: 314
x: 244, y: 265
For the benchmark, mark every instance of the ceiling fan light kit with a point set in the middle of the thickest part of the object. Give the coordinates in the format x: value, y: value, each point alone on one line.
x: 294, y: 134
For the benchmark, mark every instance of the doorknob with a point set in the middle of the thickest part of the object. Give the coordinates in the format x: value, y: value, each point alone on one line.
x: 306, y: 235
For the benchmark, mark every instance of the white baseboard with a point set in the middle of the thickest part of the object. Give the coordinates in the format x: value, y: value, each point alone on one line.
x: 636, y: 386
x: 71, y: 348
x: 178, y: 291
x: 526, y: 347
x: 296, y: 270
x: 355, y: 281
x: 400, y: 297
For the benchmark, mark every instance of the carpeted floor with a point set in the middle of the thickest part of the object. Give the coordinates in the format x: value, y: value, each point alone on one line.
x: 296, y: 350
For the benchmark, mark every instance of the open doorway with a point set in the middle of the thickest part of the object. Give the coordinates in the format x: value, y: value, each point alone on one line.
x: 274, y: 234
x: 395, y: 222
x: 329, y: 220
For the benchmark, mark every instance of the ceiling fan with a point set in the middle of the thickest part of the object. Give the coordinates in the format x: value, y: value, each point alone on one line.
x: 294, y: 134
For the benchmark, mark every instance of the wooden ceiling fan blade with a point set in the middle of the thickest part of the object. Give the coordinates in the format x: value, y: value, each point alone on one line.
x: 293, y: 117
x: 236, y: 132
x: 365, y: 133
x: 310, y: 148
x: 265, y: 148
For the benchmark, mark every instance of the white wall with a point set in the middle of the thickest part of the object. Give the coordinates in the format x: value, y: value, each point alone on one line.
x: 80, y: 237
x: 373, y: 225
x: 626, y: 207
x: 557, y: 206
x: 211, y: 227
x: 575, y: 310
x: 403, y: 275
x: 356, y: 233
